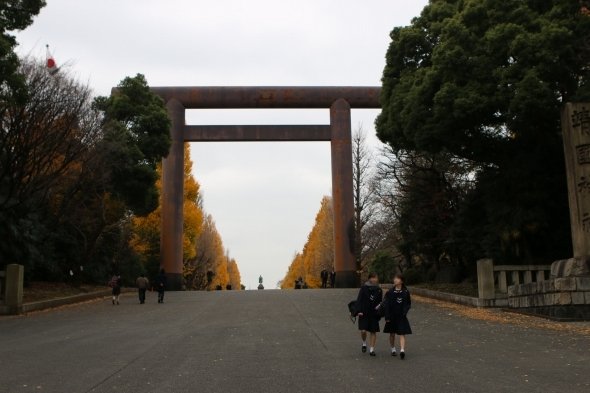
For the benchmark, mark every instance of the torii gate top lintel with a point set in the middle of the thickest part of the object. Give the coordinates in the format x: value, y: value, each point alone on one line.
x: 237, y: 97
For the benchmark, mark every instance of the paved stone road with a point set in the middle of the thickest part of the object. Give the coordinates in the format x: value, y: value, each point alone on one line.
x: 273, y: 341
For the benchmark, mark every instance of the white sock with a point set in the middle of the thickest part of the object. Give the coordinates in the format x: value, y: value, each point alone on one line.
x: 402, y: 350
x: 393, y: 350
x: 372, y: 349
x: 364, y: 343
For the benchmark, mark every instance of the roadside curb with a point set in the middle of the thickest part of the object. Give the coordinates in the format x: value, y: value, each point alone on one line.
x: 448, y: 297
x: 444, y: 296
x: 63, y: 301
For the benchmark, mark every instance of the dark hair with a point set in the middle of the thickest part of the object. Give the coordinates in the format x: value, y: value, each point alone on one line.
x: 402, y: 278
x: 372, y: 275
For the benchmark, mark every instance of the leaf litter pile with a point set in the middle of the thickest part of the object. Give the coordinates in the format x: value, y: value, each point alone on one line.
x: 499, y: 316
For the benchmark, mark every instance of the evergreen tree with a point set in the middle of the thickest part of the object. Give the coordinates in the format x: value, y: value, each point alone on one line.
x: 484, y: 80
x: 15, y: 15
x: 137, y: 136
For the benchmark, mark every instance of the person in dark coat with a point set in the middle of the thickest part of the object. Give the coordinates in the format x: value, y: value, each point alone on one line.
x: 161, y: 281
x: 396, y: 306
x: 115, y: 284
x: 367, y: 303
x: 333, y: 279
x: 324, y: 276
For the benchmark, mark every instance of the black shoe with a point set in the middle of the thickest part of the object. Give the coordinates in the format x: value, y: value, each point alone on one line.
x: 394, y: 353
x: 113, y: 302
x: 364, y: 348
x: 402, y: 355
x: 372, y: 353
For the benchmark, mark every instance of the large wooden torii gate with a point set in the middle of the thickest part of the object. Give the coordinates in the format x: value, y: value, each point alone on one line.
x: 338, y: 99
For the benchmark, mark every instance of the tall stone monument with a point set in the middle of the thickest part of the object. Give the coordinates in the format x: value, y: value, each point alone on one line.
x: 566, y: 295
x: 575, y: 122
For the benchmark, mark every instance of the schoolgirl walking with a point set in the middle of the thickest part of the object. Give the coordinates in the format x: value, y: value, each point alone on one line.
x: 397, y: 304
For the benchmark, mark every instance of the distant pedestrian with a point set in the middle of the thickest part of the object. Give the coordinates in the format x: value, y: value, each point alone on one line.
x: 367, y: 304
x: 324, y: 276
x: 161, y: 282
x: 333, y: 279
x: 142, y: 286
x: 115, y: 284
x: 396, y: 305
x: 299, y: 283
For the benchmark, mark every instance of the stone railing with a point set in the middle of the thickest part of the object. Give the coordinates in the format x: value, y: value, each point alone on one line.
x: 2, y: 285
x: 564, y: 296
x: 11, y: 287
x: 493, y: 281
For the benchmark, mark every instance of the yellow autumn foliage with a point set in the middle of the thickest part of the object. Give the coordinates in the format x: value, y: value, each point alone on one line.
x: 318, y: 252
x: 193, y: 214
x: 212, y: 266
x: 203, y: 249
x: 146, y: 230
x: 221, y: 274
x: 235, y: 280
x: 295, y: 271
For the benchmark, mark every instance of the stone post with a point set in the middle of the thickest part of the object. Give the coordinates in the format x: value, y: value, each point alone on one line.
x: 485, y: 279
x: 342, y: 197
x: 503, y: 282
x: 515, y: 277
x: 172, y: 199
x: 14, y: 288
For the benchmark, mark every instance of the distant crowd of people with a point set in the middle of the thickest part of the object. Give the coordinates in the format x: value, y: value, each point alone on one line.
x: 328, y: 276
x: 328, y: 280
x: 143, y: 284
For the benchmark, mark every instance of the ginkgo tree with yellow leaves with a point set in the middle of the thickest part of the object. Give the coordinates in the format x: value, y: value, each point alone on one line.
x: 206, y: 264
x: 235, y: 279
x: 318, y: 252
x: 211, y: 267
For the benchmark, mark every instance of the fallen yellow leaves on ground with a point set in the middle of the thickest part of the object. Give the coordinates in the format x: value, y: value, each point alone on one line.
x: 496, y: 315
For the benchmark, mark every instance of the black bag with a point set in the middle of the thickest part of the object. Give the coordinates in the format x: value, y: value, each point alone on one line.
x: 381, y: 309
x: 354, y: 312
x: 352, y: 308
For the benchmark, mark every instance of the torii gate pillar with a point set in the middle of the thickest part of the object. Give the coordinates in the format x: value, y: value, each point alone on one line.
x: 342, y: 195
x: 171, y: 252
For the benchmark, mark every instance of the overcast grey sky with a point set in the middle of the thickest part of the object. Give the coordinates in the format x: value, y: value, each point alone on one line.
x: 264, y: 196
